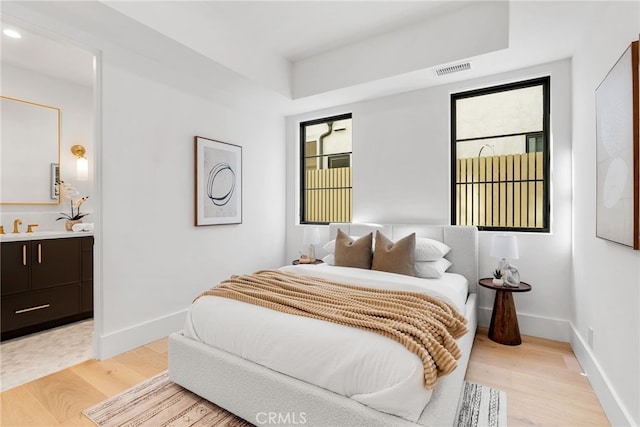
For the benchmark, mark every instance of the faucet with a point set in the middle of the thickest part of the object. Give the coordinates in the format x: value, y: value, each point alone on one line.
x: 30, y: 227
x: 16, y: 223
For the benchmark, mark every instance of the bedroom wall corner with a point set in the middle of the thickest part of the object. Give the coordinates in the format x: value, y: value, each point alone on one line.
x: 407, y: 181
x: 605, y: 390
x: 606, y: 315
x: 170, y: 261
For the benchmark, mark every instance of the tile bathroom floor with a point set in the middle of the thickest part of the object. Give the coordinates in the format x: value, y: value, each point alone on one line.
x: 34, y: 356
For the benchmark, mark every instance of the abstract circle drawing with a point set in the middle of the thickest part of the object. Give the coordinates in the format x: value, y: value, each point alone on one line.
x: 221, y: 184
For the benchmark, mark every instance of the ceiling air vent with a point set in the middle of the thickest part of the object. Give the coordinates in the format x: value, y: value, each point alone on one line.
x: 453, y: 68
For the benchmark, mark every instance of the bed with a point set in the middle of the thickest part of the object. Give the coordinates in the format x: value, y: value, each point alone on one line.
x: 235, y: 378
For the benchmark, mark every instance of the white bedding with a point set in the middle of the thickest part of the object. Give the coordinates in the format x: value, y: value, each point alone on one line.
x: 362, y: 365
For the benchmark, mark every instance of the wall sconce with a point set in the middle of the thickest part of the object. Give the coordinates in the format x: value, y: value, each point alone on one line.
x: 82, y: 164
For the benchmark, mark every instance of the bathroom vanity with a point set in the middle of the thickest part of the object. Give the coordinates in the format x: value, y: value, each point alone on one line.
x: 46, y: 281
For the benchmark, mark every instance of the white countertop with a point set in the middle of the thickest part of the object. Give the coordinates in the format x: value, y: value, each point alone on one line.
x: 40, y: 235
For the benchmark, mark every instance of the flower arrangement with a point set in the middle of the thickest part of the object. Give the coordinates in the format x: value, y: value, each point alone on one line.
x: 70, y: 193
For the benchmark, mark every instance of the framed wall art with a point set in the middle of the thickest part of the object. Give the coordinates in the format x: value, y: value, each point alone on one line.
x: 218, y: 176
x: 618, y: 152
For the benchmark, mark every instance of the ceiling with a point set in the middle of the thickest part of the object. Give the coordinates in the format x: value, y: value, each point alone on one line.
x: 298, y: 30
x: 45, y: 55
x: 283, y: 45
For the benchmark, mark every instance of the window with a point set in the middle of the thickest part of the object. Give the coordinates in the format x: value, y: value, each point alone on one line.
x: 500, y: 157
x: 325, y: 171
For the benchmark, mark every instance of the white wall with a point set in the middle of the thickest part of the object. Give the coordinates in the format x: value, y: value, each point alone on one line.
x: 156, y: 95
x: 151, y: 250
x: 401, y: 173
x: 76, y: 127
x: 606, y: 284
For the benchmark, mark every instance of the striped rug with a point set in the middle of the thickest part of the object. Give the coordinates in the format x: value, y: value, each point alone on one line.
x: 159, y: 402
x: 482, y: 406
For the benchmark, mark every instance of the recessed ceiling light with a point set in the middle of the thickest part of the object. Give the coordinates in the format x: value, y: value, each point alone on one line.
x: 12, y: 33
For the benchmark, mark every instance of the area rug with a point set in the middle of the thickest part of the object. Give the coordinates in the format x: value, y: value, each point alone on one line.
x: 159, y: 402
x: 482, y: 406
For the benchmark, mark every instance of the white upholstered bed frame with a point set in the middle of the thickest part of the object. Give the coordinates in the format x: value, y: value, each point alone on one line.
x: 248, y: 389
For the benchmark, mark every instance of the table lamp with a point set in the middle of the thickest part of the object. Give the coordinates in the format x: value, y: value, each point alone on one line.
x: 504, y: 247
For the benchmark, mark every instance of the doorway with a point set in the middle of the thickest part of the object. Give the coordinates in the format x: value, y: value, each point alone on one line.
x: 44, y: 69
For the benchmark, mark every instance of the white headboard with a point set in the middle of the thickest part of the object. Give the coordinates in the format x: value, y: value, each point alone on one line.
x: 463, y: 241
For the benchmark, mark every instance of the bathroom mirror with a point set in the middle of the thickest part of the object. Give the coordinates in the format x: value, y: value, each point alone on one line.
x: 30, y: 154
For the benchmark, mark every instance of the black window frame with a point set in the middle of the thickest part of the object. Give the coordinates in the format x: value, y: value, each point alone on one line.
x: 301, y: 168
x: 545, y: 82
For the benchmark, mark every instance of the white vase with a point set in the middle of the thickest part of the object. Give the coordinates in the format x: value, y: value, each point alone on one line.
x: 498, y: 282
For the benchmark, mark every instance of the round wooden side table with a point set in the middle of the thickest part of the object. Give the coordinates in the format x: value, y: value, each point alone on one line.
x: 316, y: 262
x: 504, y: 322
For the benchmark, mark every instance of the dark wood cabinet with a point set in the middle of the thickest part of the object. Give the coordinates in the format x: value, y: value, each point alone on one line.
x: 45, y: 283
x: 14, y: 268
x: 87, y: 275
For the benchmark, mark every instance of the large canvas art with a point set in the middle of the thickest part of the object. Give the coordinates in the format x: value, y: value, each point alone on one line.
x: 218, y: 182
x: 618, y: 152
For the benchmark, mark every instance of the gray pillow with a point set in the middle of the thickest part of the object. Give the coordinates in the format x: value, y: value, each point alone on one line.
x: 353, y: 253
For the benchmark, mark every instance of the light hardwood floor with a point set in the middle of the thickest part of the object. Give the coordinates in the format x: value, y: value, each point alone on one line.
x: 542, y: 379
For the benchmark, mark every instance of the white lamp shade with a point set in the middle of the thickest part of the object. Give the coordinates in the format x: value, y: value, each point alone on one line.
x: 504, y: 246
x: 82, y: 169
x: 311, y: 236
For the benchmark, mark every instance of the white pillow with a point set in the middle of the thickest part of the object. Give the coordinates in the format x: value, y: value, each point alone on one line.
x: 330, y: 246
x: 432, y: 269
x: 329, y: 259
x: 430, y: 250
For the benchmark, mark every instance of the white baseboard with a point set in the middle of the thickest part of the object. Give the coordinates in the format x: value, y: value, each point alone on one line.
x: 536, y: 326
x: 613, y: 407
x: 114, y: 343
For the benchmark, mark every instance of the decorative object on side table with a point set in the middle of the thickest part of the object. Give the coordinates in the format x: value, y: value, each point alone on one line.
x: 505, y: 246
x: 311, y: 238
x: 69, y: 192
x: 497, y: 277
x: 504, y: 321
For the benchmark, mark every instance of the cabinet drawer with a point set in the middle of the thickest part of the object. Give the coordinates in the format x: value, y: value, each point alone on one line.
x: 36, y: 307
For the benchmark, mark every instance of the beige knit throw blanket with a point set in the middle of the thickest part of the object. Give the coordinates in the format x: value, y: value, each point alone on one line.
x: 425, y: 325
